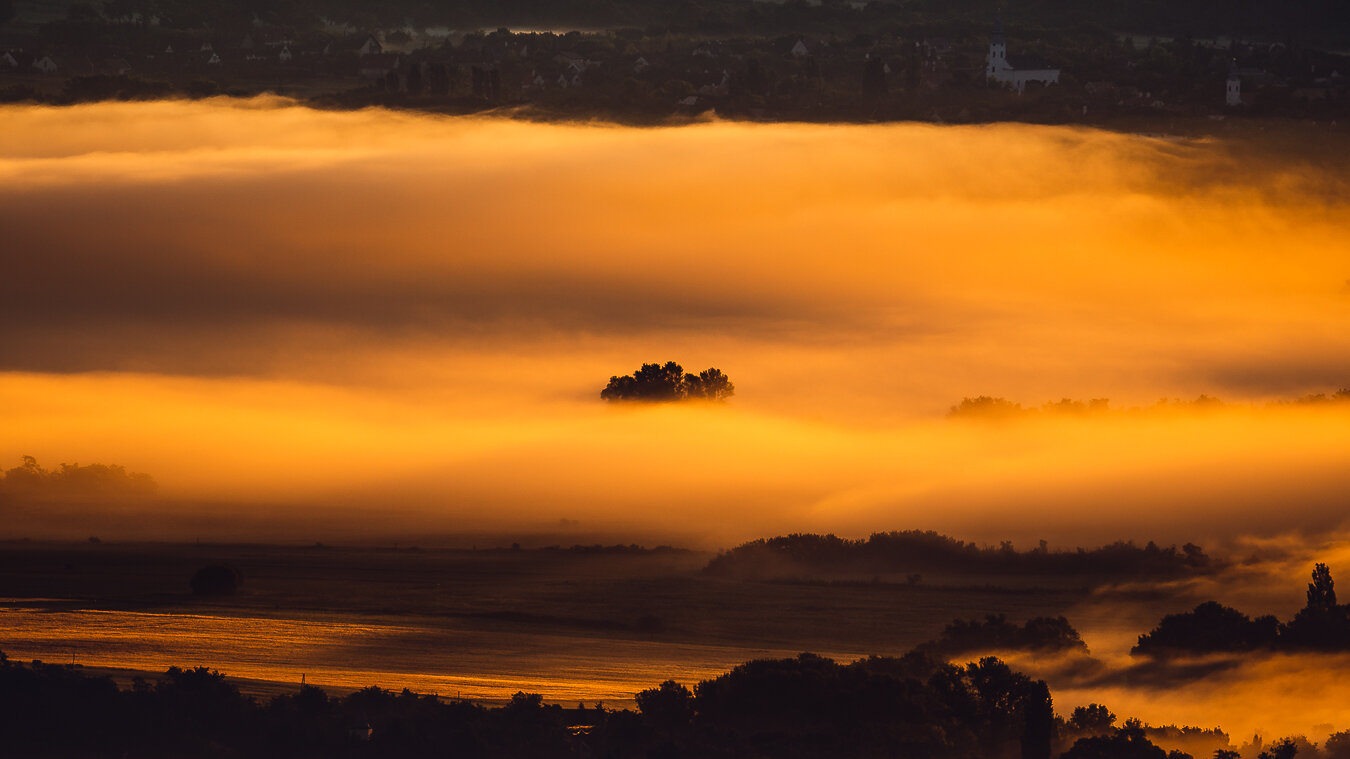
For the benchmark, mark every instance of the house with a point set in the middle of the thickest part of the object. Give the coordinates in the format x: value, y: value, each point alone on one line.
x: 45, y: 64
x: 285, y: 55
x: 1000, y: 69
x: 805, y: 47
x: 573, y: 62
x: 715, y: 87
x: 1233, y: 91
x: 640, y: 65
x: 370, y: 46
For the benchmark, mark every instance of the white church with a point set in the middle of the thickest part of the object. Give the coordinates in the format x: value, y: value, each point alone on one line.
x: 1001, y: 70
x: 1233, y: 95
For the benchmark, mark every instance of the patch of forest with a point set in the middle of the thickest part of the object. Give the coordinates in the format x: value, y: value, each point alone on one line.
x: 913, y: 552
x: 1321, y: 625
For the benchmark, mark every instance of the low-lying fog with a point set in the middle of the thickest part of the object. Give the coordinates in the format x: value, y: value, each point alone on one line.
x: 309, y: 325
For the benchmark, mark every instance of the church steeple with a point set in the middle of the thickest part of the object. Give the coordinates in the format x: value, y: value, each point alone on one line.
x: 998, y: 49
x: 1233, y: 94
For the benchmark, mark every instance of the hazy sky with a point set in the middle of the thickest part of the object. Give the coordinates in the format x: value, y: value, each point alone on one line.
x: 410, y: 318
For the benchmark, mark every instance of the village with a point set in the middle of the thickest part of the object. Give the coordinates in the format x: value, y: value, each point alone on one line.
x: 861, y: 71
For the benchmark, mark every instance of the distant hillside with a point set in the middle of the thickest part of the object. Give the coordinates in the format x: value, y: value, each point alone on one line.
x: 914, y: 552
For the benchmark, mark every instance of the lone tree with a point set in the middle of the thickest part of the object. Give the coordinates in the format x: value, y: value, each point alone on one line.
x: 663, y: 383
x: 216, y: 580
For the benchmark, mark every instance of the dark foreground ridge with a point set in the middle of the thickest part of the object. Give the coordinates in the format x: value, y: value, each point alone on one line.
x: 808, y: 706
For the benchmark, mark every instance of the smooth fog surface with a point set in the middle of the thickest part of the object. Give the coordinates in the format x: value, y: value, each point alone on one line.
x: 401, y: 323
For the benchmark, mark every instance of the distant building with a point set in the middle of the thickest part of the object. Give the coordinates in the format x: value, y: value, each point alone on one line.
x: 370, y: 46
x: 1233, y: 95
x: 1001, y: 70
x: 806, y: 47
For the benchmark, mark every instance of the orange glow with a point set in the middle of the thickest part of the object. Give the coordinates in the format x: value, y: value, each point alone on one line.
x: 383, y: 312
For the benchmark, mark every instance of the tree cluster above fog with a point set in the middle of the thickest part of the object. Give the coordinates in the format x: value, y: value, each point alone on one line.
x: 996, y: 633
x: 996, y: 407
x: 664, y: 383
x: 31, y: 479
x: 910, y: 551
x: 1322, y: 625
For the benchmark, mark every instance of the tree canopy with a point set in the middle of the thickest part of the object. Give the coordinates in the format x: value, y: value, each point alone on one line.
x: 664, y: 383
x: 1322, y: 625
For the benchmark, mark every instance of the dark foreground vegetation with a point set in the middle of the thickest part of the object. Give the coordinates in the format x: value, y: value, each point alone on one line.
x: 917, y: 551
x: 913, y: 706
x: 808, y: 706
x: 1321, y: 625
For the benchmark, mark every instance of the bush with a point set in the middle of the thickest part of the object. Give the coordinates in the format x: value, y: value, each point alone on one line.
x: 216, y: 580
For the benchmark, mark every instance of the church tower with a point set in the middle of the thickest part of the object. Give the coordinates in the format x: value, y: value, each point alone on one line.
x: 998, y: 50
x: 1234, y: 94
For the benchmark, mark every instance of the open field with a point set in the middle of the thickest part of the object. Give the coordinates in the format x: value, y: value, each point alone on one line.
x: 481, y: 623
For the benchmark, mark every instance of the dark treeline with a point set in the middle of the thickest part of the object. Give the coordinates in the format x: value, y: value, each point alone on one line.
x: 30, y: 479
x: 917, y: 551
x: 808, y: 706
x: 996, y: 633
x: 995, y: 407
x: 1321, y: 625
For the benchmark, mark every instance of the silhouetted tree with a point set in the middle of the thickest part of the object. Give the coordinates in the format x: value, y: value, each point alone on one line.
x: 1128, y: 742
x: 1038, y: 730
x: 1210, y: 627
x: 662, y: 383
x: 413, y: 79
x: 1321, y: 591
x: 1285, y: 748
x: 1323, y: 624
x: 997, y: 633
x: 1337, y: 745
x: 709, y: 384
x: 874, y: 78
x: 668, y: 706
x: 216, y: 580
x: 986, y: 406
x: 1093, y: 719
x: 438, y: 79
